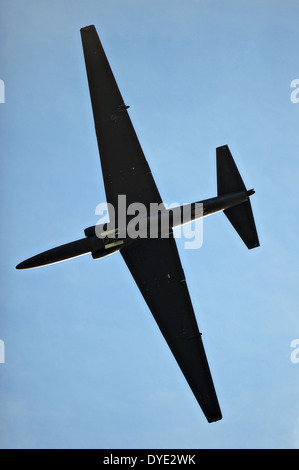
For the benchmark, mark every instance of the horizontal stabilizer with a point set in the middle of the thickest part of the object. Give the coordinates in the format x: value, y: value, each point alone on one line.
x: 242, y: 220
x: 229, y: 181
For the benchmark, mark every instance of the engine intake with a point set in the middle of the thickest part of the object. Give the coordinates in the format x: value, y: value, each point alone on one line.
x: 90, y: 231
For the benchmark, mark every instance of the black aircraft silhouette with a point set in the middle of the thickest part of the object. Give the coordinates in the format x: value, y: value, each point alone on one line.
x: 153, y: 261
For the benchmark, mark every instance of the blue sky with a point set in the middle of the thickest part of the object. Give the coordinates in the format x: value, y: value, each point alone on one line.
x: 85, y: 365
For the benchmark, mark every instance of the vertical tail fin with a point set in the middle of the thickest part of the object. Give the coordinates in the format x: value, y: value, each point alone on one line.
x: 229, y: 181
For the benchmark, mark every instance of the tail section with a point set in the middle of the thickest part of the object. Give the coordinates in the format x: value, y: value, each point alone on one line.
x: 229, y: 181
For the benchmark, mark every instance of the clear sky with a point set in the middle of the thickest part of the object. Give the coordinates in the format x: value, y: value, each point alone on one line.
x: 85, y: 364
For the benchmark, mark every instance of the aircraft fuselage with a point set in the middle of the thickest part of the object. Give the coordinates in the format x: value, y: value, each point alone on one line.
x: 103, y: 240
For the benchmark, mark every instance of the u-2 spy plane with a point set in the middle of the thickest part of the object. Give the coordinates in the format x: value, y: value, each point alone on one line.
x: 153, y: 260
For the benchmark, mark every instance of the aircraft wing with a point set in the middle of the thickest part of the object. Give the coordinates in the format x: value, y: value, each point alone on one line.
x: 125, y: 169
x: 154, y: 263
x: 157, y: 270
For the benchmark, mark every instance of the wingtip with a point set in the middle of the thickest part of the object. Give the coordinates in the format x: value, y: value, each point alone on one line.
x: 85, y: 28
x: 214, y: 420
x: 222, y: 147
x: 254, y: 245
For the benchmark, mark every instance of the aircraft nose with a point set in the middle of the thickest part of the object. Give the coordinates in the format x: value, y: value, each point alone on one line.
x: 33, y: 262
x: 23, y: 265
